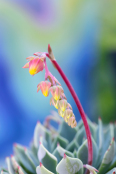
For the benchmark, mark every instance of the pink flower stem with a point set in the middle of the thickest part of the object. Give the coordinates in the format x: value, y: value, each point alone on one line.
x: 80, y: 108
x: 48, y: 73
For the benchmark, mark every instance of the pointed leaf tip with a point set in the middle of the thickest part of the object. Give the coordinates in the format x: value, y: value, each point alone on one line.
x: 15, y: 144
x: 64, y: 156
x: 40, y: 164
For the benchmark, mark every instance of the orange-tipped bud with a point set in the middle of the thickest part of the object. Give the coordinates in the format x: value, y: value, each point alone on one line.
x: 44, y: 86
x: 56, y: 92
x: 63, y: 104
x: 54, y: 102
x: 35, y: 66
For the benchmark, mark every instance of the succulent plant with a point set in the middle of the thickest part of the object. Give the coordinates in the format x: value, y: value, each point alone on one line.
x: 73, y: 148
x: 65, y: 151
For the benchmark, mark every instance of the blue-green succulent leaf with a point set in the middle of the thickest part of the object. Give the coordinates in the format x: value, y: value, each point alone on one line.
x: 59, y: 153
x: 113, y: 171
x: 25, y: 160
x: 70, y: 165
x: 47, y: 159
x: 67, y: 132
x: 42, y: 170
x: 73, y: 145
x: 10, y: 167
x: 41, y: 131
x: 107, y: 159
x: 80, y: 135
x: 108, y: 135
x: 100, y: 142
x: 82, y: 152
x: 59, y: 140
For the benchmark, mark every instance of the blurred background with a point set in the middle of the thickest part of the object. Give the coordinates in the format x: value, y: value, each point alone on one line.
x: 83, y: 38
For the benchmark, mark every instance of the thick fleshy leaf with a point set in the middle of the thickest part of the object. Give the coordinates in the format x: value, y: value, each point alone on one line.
x: 107, y: 159
x: 67, y: 132
x: 24, y: 159
x: 61, y: 140
x: 108, y: 135
x: 40, y: 130
x: 10, y: 167
x: 93, y: 129
x: 73, y: 145
x: 42, y: 170
x: 70, y: 166
x: 47, y: 159
x: 91, y: 169
x: 16, y: 166
x: 80, y: 135
x: 59, y: 153
x: 100, y: 142
x: 115, y: 131
x: 113, y: 171
x: 113, y: 164
x: 82, y: 152
x: 31, y: 155
x: 80, y: 124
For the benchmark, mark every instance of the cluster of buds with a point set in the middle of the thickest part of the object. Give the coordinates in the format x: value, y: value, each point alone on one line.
x: 36, y: 64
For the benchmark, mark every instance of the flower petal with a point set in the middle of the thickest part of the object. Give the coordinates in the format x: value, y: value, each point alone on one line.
x: 35, y: 66
x: 44, y: 86
x: 54, y: 102
x: 63, y: 104
x: 56, y: 92
x: 26, y: 65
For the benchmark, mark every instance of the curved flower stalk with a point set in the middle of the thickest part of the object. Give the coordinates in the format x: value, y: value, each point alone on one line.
x: 37, y: 64
x: 51, y: 85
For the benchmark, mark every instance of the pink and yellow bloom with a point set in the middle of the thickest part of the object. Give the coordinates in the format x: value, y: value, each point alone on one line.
x: 72, y: 122
x: 54, y: 102
x: 56, y: 92
x: 60, y: 112
x: 67, y: 114
x: 44, y: 86
x: 35, y: 64
x: 63, y: 104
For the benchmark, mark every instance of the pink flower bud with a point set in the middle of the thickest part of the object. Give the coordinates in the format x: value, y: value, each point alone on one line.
x: 72, y: 122
x: 60, y: 112
x: 44, y: 86
x: 67, y: 114
x: 63, y: 104
x: 35, y: 66
x: 54, y: 102
x: 56, y: 92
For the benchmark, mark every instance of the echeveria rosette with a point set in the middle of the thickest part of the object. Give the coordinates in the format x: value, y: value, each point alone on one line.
x: 65, y: 151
